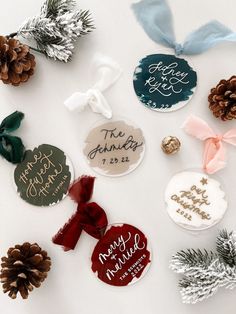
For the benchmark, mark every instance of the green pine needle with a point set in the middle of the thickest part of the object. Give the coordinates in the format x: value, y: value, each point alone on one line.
x: 226, y: 247
x: 57, y: 27
x: 205, y: 272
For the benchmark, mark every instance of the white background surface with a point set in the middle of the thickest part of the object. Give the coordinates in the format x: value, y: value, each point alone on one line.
x: 137, y: 198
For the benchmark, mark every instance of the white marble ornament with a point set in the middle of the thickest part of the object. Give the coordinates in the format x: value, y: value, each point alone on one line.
x: 194, y: 200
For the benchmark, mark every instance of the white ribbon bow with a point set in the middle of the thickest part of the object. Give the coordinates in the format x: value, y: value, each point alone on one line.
x: 108, y: 73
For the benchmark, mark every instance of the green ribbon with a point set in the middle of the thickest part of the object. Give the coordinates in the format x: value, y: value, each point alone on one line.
x: 11, y: 147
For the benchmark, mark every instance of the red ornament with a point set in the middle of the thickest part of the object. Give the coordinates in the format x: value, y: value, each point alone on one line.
x: 121, y: 257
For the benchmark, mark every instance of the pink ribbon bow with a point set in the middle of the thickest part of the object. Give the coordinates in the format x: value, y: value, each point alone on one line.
x: 214, y: 151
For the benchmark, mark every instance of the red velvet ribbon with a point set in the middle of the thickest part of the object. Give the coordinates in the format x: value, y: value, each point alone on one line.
x: 89, y: 217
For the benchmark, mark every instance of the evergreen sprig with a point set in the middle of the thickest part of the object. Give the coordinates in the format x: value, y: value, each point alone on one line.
x: 53, y: 8
x: 226, y: 247
x: 56, y: 28
x: 205, y: 272
x: 186, y: 261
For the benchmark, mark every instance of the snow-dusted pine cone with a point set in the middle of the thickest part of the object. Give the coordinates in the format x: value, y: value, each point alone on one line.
x: 25, y: 267
x: 222, y: 99
x: 16, y: 62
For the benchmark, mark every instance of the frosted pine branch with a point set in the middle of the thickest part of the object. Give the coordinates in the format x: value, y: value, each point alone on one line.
x: 187, y: 261
x: 226, y: 247
x: 206, y: 282
x: 56, y: 28
x: 56, y: 48
x: 205, y: 272
x: 36, y: 26
x: 74, y: 24
x: 53, y: 8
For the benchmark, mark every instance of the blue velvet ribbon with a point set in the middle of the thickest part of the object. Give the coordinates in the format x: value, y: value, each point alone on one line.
x: 156, y: 19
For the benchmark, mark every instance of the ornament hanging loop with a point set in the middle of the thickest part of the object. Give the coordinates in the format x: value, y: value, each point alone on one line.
x: 178, y: 49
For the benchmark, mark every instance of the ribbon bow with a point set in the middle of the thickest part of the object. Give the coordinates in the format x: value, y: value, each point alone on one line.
x: 89, y: 217
x: 156, y: 19
x: 108, y: 73
x: 214, y: 151
x: 11, y: 147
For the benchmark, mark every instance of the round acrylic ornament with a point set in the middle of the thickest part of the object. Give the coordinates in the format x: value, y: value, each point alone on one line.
x: 164, y: 82
x: 114, y: 148
x: 44, y: 176
x: 195, y: 200
x: 122, y: 256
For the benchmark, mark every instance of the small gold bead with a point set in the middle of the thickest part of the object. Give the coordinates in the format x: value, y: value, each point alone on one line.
x: 170, y: 145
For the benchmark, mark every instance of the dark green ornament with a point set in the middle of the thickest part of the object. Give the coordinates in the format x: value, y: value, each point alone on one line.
x: 44, y: 176
x: 164, y: 82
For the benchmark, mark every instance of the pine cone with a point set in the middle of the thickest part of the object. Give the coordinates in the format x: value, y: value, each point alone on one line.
x: 16, y: 62
x: 24, y: 268
x: 222, y: 99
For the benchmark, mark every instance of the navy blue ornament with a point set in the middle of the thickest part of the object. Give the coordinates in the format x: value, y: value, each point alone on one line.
x: 164, y: 82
